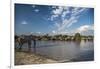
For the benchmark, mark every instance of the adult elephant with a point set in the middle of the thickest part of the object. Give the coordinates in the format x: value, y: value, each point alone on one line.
x: 24, y: 39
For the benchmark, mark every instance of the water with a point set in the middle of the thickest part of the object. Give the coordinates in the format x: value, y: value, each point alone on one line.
x: 65, y: 50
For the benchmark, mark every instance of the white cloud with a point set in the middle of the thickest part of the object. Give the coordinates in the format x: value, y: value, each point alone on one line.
x: 33, y: 6
x: 39, y: 32
x: 67, y: 23
x: 56, y: 32
x: 85, y: 28
x: 53, y: 7
x: 76, y: 11
x: 57, y: 25
x: 36, y: 10
x: 63, y: 12
x: 57, y: 10
x: 53, y: 16
x: 53, y: 31
x: 24, y: 22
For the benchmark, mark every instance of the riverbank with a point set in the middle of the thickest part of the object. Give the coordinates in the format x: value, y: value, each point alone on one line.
x: 26, y: 58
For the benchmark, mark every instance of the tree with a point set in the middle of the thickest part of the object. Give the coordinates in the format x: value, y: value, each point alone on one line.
x: 77, y: 37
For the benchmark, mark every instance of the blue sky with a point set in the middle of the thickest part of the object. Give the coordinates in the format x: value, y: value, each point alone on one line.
x: 44, y: 19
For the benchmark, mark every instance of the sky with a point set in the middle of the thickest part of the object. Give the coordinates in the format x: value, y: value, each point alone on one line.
x: 50, y: 19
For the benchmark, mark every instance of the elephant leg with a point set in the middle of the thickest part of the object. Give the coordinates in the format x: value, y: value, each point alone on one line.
x: 20, y: 46
x: 29, y: 46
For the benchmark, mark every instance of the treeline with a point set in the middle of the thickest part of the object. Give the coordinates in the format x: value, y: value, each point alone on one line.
x: 76, y: 37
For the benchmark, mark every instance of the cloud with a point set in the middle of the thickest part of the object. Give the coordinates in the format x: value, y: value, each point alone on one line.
x: 39, y: 32
x: 85, y: 28
x: 53, y: 31
x: 59, y: 11
x: 33, y: 6
x: 54, y: 7
x: 24, y: 22
x: 53, y: 17
x: 66, y: 10
x: 76, y: 11
x: 67, y: 23
x: 65, y: 13
x: 56, y: 12
x: 73, y: 15
x: 36, y: 10
x: 64, y: 17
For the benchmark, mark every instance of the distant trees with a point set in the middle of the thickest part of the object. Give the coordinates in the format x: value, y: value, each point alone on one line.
x: 61, y: 37
x: 77, y: 37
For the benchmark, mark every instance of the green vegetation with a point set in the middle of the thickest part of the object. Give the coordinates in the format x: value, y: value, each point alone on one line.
x: 76, y: 37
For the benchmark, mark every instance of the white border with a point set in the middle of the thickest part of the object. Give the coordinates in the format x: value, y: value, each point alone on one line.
x: 76, y: 3
x: 12, y: 35
x: 4, y: 34
x: 73, y: 3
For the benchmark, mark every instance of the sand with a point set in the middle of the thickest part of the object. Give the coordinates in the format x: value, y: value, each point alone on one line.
x: 26, y: 58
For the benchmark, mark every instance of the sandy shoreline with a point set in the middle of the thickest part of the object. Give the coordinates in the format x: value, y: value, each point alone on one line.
x: 24, y: 58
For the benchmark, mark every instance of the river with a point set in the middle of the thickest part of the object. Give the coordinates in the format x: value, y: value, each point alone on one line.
x: 64, y: 51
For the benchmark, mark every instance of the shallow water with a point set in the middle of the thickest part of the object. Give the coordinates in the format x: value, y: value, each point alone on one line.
x: 64, y: 50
